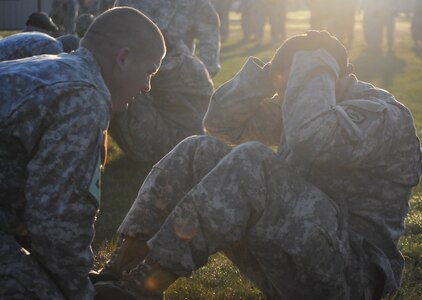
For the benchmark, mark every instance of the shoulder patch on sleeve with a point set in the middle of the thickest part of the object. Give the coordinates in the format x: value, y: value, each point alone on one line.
x: 354, y: 115
x: 95, y: 183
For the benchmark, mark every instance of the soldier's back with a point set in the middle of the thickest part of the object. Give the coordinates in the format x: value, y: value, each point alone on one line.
x: 28, y: 44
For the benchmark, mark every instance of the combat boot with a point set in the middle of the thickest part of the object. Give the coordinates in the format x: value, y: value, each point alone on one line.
x: 148, y: 280
x: 129, y: 253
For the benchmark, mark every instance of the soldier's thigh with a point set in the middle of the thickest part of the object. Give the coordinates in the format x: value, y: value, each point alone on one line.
x: 21, y: 277
x: 300, y: 241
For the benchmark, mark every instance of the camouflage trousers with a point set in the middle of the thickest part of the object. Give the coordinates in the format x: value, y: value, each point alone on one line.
x: 21, y: 277
x: 283, y: 233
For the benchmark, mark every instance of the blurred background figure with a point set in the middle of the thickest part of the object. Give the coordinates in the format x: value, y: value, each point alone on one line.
x: 321, y: 12
x: 379, y: 15
x: 222, y: 7
x: 94, y: 7
x: 406, y: 7
x: 249, y: 18
x: 88, y: 7
x: 276, y: 12
x: 416, y: 27
x: 82, y: 23
x: 254, y: 17
x: 64, y: 13
x: 194, y: 22
x: 342, y: 20
x: 103, y: 5
x: 41, y: 22
x: 253, y: 13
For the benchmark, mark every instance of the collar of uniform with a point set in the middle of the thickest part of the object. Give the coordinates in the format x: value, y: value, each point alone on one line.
x: 94, y: 68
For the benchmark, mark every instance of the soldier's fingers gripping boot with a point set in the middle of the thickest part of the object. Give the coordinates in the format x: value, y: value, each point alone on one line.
x: 129, y: 253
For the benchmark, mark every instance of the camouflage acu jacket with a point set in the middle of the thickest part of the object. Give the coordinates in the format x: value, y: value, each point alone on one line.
x: 53, y: 111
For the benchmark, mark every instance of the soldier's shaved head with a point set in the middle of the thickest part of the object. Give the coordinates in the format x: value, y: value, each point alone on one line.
x: 129, y: 48
x: 123, y: 27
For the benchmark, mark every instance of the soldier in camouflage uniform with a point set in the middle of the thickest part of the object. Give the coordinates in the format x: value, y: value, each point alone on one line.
x: 64, y: 13
x: 28, y: 44
x: 222, y: 7
x: 174, y: 108
x: 53, y: 113
x: 253, y: 19
x: 186, y: 20
x: 377, y: 16
x: 277, y: 11
x: 321, y: 13
x: 320, y: 219
x: 342, y: 21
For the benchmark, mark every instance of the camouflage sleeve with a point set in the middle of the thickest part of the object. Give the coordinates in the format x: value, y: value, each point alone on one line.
x: 241, y: 109
x: 62, y: 193
x: 207, y: 32
x: 350, y: 133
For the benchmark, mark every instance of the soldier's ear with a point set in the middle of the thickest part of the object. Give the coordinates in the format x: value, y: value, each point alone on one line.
x: 123, y: 58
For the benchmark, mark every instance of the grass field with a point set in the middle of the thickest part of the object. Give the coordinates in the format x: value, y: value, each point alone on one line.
x: 400, y: 73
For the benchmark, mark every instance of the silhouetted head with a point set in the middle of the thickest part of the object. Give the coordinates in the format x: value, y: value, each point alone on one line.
x: 40, y: 21
x: 312, y: 40
x: 82, y: 24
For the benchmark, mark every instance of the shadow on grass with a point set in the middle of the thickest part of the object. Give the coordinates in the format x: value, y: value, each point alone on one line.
x: 121, y: 181
x: 381, y: 67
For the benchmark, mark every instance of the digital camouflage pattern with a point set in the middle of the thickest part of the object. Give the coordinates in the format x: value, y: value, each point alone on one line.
x: 174, y: 108
x: 320, y: 219
x: 26, y: 44
x: 250, y: 112
x: 185, y: 20
x: 53, y: 112
x: 196, y: 201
